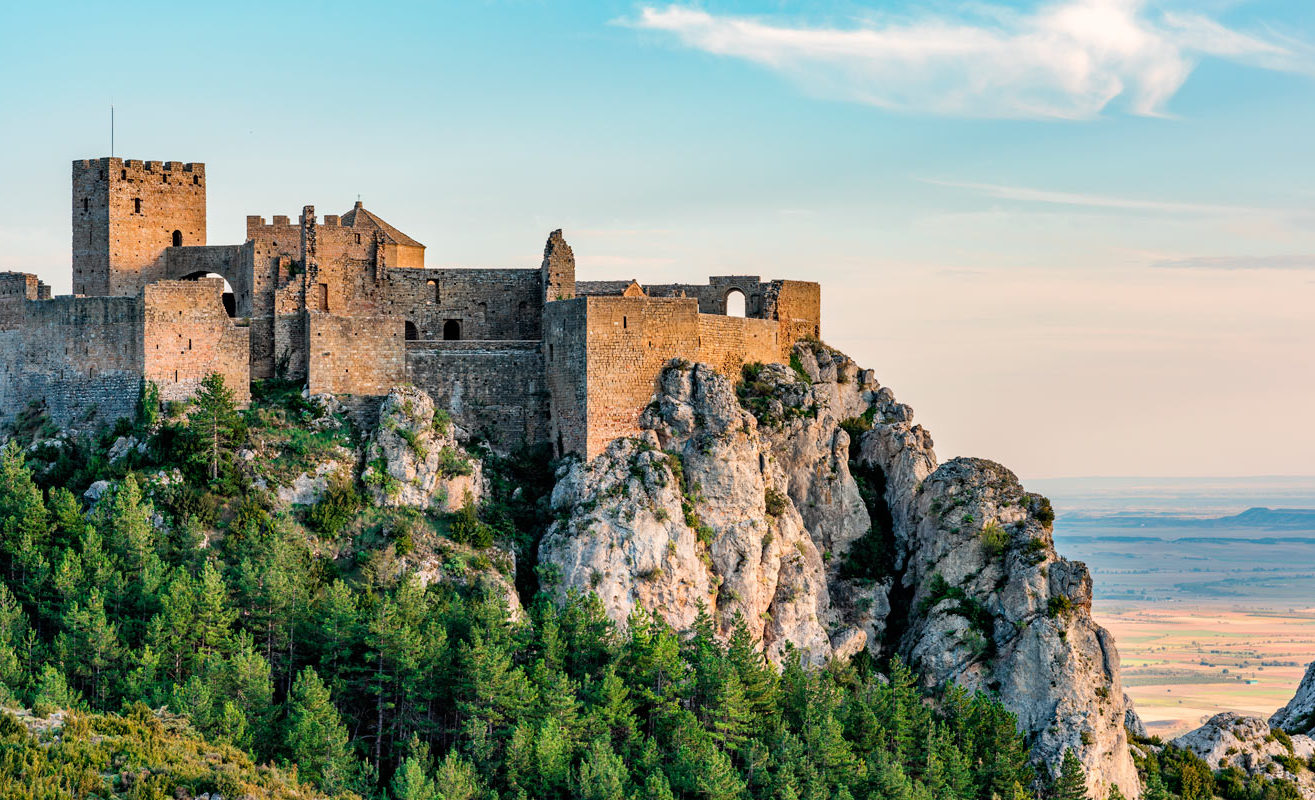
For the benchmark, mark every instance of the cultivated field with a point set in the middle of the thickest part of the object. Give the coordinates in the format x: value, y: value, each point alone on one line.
x: 1181, y: 665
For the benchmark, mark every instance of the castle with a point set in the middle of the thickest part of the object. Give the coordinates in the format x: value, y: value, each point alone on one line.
x: 347, y: 305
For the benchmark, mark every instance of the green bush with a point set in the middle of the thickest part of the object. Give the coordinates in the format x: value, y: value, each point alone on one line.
x: 994, y: 539
x: 339, y: 506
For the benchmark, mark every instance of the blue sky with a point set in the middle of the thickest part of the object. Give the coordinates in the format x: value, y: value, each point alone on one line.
x: 1077, y: 236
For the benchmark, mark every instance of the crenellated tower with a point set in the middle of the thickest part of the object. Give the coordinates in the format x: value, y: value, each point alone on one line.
x: 125, y: 214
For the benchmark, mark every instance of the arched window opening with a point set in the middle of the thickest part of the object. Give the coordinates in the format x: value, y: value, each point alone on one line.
x: 178, y: 238
x: 438, y: 293
x: 136, y: 205
x: 452, y: 330
x: 735, y: 303
x: 358, y: 238
x: 85, y: 204
x: 412, y: 333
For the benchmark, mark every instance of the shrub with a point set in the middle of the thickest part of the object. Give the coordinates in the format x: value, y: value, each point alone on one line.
x: 452, y: 463
x: 336, y: 508
x: 1059, y: 606
x: 775, y: 501
x: 994, y: 538
x: 465, y: 526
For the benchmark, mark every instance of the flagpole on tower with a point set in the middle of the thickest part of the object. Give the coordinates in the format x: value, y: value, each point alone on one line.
x: 111, y: 130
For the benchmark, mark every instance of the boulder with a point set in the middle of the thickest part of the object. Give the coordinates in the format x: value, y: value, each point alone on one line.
x: 413, y: 458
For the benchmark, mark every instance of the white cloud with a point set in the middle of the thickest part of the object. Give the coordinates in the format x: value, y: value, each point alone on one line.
x: 1066, y: 59
x: 1025, y: 194
x: 1290, y: 262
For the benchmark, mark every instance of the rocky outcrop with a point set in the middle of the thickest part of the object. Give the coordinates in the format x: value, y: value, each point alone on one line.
x: 806, y: 502
x: 1298, y: 716
x: 413, y: 458
x: 693, y: 517
x: 1132, y: 720
x: 994, y: 608
x: 1249, y: 744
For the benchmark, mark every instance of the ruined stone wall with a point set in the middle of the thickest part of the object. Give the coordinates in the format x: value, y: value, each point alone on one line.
x: 487, y: 304
x: 603, y: 356
x: 798, y: 306
x: 232, y: 261
x: 81, y: 356
x: 354, y: 355
x: 629, y: 341
x: 15, y: 288
x: 495, y: 390
x: 125, y: 213
x: 711, y: 296
x: 566, y: 359
x: 728, y: 343
x: 187, y: 334
x: 289, y: 346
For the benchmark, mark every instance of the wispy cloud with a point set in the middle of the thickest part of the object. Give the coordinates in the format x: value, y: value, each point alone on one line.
x: 1030, y: 195
x: 1066, y: 60
x: 1291, y: 262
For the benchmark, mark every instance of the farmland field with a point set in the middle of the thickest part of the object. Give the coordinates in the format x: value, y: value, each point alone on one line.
x: 1212, y: 606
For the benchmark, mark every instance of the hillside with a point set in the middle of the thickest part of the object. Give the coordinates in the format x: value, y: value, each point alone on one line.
x: 774, y: 591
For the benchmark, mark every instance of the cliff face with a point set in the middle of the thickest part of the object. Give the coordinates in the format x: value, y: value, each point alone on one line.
x: 811, y: 508
x: 1298, y: 716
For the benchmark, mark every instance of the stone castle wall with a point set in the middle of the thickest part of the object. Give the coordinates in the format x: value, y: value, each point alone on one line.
x: 346, y: 304
x: 486, y: 304
x: 187, y: 335
x: 609, y: 351
x: 354, y: 355
x: 566, y: 359
x: 494, y: 389
x: 82, y: 356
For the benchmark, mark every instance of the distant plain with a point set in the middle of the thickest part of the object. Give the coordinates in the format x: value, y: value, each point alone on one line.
x: 1207, y: 584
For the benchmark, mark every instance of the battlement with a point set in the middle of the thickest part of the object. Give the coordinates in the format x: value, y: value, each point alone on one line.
x: 133, y: 166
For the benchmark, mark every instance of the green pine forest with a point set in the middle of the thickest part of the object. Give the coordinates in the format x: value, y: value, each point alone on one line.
x: 183, y: 635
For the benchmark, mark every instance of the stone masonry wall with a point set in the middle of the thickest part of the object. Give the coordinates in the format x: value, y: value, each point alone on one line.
x: 487, y: 304
x: 125, y: 213
x: 81, y: 356
x: 354, y: 355
x: 566, y: 360
x: 629, y: 341
x: 494, y: 390
x: 232, y: 261
x: 728, y: 343
x: 187, y: 335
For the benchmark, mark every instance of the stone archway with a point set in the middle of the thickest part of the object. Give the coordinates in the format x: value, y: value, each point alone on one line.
x: 229, y: 298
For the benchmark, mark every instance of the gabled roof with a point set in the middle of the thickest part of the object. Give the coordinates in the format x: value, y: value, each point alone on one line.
x: 359, y: 217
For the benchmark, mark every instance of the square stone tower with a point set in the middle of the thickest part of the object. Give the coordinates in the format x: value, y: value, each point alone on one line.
x: 125, y: 213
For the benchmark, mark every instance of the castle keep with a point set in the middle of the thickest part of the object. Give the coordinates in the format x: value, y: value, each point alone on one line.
x: 347, y: 305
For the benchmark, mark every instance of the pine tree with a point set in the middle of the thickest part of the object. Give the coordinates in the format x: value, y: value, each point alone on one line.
x: 23, y: 517
x: 1155, y: 788
x: 456, y: 778
x: 1072, y: 781
x: 316, y: 738
x: 214, y: 420
x: 602, y: 774
x: 411, y: 781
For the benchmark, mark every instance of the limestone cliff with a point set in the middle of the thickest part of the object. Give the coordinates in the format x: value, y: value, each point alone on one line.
x: 806, y: 503
x: 1298, y: 716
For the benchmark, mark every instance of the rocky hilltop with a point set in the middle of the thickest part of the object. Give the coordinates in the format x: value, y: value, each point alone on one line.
x: 807, y: 504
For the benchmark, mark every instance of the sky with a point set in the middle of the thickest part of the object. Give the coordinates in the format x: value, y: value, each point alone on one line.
x: 1078, y: 237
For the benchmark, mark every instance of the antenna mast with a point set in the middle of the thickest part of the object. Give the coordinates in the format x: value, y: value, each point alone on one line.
x: 111, y: 130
